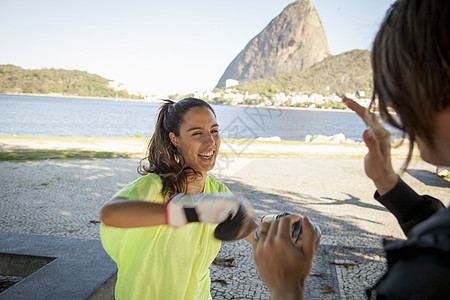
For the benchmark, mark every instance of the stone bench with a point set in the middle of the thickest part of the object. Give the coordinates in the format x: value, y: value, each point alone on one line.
x: 56, y: 267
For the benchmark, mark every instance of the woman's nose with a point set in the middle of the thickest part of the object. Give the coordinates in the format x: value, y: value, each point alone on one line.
x: 208, y: 140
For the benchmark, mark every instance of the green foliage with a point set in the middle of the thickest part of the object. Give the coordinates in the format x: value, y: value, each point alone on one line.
x: 176, y: 97
x: 219, y: 100
x: 345, y: 73
x: 14, y: 79
x: 333, y: 105
x: 25, y: 155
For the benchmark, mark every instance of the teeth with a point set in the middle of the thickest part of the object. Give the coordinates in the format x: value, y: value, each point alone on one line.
x: 207, y: 154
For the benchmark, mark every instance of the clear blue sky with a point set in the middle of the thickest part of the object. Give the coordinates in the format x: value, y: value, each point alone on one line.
x: 161, y: 46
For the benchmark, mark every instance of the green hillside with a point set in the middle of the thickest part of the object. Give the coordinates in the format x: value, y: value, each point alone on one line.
x: 344, y: 73
x: 14, y: 79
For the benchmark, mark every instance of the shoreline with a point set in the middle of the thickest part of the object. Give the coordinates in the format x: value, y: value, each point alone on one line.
x: 160, y: 101
x: 347, y: 110
x: 73, y: 97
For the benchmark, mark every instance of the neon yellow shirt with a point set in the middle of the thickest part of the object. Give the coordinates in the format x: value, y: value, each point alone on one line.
x: 161, y: 262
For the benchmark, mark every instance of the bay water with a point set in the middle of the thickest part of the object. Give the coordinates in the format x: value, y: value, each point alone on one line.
x: 51, y: 116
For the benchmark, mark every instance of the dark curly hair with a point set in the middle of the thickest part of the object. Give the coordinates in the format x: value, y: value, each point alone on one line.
x: 162, y: 157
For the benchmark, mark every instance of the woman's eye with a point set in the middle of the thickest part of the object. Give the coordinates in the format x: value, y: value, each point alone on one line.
x: 196, y: 133
x: 214, y: 131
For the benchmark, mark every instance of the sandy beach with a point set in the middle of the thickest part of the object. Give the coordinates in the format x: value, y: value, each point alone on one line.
x: 325, y: 182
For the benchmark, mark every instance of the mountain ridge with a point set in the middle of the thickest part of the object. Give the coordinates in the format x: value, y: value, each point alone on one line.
x: 347, y: 72
x: 16, y: 80
x: 293, y: 41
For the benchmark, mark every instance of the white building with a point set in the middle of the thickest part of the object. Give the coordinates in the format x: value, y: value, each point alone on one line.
x: 234, y: 97
x: 231, y: 82
x: 281, y: 97
x: 317, y: 98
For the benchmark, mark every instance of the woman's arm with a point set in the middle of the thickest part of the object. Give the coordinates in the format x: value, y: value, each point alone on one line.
x: 177, y: 212
x: 124, y: 213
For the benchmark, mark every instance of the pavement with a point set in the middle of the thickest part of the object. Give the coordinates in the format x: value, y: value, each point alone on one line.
x: 63, y: 198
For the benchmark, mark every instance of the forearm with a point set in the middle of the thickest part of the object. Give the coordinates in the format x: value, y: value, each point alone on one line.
x: 131, y: 213
x: 386, y: 183
x: 407, y: 206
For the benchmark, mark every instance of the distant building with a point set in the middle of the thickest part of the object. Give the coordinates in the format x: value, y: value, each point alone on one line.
x: 281, y: 97
x: 207, y: 95
x: 296, y: 99
x: 364, y: 101
x: 317, y: 98
x: 231, y: 82
x: 360, y: 94
x: 234, y: 97
x: 350, y: 95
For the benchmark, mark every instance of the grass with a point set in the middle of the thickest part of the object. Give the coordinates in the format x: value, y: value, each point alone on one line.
x: 27, y: 155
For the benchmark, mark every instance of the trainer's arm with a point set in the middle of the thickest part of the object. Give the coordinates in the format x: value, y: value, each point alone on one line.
x: 407, y: 206
x: 124, y: 213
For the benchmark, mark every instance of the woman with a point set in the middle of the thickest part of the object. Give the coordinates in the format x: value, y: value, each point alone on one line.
x: 146, y: 231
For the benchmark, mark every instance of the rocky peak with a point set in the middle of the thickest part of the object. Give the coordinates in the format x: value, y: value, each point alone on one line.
x: 293, y: 41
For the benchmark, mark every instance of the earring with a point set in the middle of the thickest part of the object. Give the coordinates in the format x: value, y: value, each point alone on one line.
x: 177, y: 159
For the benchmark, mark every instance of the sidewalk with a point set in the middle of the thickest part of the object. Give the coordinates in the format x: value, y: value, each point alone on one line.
x: 63, y: 198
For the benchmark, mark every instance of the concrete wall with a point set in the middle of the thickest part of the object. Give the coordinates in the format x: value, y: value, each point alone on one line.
x: 56, y: 267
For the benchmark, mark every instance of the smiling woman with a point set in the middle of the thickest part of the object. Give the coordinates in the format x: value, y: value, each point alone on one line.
x: 184, y: 146
x: 198, y: 141
x: 161, y: 229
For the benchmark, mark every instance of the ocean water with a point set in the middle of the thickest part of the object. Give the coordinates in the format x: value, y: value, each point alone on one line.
x: 49, y: 116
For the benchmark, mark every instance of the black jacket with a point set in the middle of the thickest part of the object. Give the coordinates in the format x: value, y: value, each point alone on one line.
x: 418, y: 267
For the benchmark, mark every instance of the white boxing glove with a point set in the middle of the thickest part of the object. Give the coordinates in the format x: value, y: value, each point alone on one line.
x: 181, y: 209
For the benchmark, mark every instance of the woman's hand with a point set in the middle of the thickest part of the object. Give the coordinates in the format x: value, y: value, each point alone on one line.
x: 233, y: 213
x: 377, y: 163
x: 282, y: 264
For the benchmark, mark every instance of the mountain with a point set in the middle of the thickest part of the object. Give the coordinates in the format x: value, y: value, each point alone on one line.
x: 293, y: 41
x: 344, y: 73
x: 14, y: 79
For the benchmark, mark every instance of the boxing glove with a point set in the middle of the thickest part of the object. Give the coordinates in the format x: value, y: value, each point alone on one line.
x: 238, y: 226
x: 181, y: 209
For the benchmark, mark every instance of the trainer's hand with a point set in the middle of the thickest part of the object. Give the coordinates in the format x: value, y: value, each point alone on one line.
x: 377, y: 163
x: 297, y: 230
x: 282, y: 264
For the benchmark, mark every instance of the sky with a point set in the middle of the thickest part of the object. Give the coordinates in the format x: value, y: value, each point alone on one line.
x: 162, y: 47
